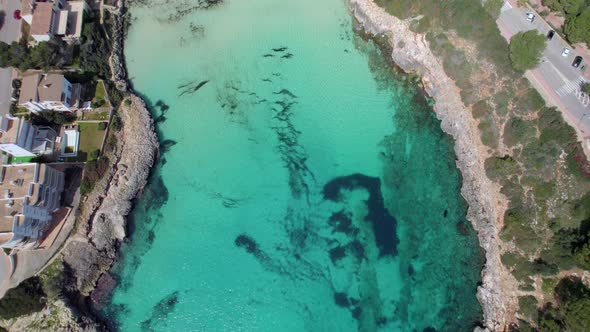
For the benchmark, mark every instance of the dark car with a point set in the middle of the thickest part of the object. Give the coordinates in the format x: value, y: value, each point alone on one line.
x: 550, y: 34
x: 16, y: 14
x: 577, y: 61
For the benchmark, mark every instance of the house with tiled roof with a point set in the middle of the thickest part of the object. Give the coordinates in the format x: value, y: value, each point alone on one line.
x: 50, y: 91
x: 54, y: 18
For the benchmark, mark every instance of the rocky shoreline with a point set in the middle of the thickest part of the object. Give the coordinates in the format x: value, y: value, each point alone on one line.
x: 410, y: 51
x: 93, y: 250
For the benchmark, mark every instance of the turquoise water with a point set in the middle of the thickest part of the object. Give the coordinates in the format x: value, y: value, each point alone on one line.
x: 303, y: 185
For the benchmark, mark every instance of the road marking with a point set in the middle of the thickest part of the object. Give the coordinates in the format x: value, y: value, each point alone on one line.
x: 570, y: 86
x: 506, y: 6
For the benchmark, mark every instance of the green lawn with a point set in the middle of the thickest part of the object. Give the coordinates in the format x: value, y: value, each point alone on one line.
x: 104, y: 115
x: 90, y: 140
x: 100, y: 96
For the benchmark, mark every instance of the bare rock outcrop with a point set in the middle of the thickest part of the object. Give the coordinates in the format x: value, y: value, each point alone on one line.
x: 411, y: 53
x: 93, y: 251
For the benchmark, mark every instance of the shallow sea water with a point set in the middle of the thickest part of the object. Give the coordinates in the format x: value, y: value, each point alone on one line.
x: 303, y: 185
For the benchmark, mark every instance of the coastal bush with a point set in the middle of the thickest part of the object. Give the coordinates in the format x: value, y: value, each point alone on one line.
x: 493, y: 7
x: 528, y: 306
x: 94, y: 154
x: 548, y: 285
x: 511, y: 259
x: 518, y: 130
x: 527, y: 101
x: 582, y: 257
x: 512, y: 190
x: 94, y: 170
x: 554, y: 129
x: 517, y: 228
x: 480, y: 109
x: 526, y: 49
x: 498, y: 167
x: 116, y: 123
x: 561, y: 248
x: 26, y: 298
x: 573, y: 313
x: 488, y: 133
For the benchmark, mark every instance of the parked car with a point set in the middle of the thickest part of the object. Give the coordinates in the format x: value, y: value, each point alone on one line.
x: 565, y: 52
x: 16, y: 14
x: 550, y: 34
x: 530, y: 17
x: 577, y: 61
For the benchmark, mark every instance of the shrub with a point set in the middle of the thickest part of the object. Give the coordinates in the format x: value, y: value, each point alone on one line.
x: 493, y: 7
x: 577, y: 29
x: 102, y: 126
x: 518, y: 130
x: 48, y: 118
x: 25, y: 299
x: 500, y: 167
x: 528, y: 306
x: 586, y: 87
x: 94, y: 154
x: 526, y: 49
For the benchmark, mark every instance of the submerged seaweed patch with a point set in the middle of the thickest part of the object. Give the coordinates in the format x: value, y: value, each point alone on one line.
x: 160, y: 311
x: 341, y: 221
x: 191, y: 87
x: 384, y: 224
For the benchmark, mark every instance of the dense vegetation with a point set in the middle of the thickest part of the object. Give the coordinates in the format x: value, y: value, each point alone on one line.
x: 577, y: 18
x: 53, y: 54
x: 526, y: 49
x: 533, y: 154
x: 25, y: 299
x: 95, y: 49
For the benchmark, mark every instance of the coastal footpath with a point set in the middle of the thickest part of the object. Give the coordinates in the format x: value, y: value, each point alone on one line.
x: 413, y: 55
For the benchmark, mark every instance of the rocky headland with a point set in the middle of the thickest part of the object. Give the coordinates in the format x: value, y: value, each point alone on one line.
x: 411, y: 53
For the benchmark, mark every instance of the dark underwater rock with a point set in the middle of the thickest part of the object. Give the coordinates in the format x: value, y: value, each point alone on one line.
x: 384, y: 224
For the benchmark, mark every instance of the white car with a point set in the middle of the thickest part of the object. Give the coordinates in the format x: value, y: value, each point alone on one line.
x: 530, y: 17
x: 566, y: 52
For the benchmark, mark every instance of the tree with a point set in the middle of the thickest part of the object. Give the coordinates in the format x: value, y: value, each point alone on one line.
x: 577, y: 29
x: 50, y: 54
x: 553, y: 5
x: 526, y: 49
x: 586, y: 88
x: 493, y: 7
x: 571, y: 7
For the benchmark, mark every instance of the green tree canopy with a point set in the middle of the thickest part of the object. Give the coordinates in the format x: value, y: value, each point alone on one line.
x: 526, y: 49
x: 45, y: 55
x: 493, y: 7
x: 577, y: 29
x: 571, y: 7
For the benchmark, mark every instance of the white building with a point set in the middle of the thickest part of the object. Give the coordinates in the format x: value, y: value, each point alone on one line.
x: 29, y: 195
x: 21, y: 139
x: 54, y: 92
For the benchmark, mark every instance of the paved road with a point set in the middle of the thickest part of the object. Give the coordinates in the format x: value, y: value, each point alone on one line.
x: 9, y: 32
x: 555, y: 76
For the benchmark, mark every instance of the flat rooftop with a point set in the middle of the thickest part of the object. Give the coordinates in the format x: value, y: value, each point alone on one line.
x: 15, y: 180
